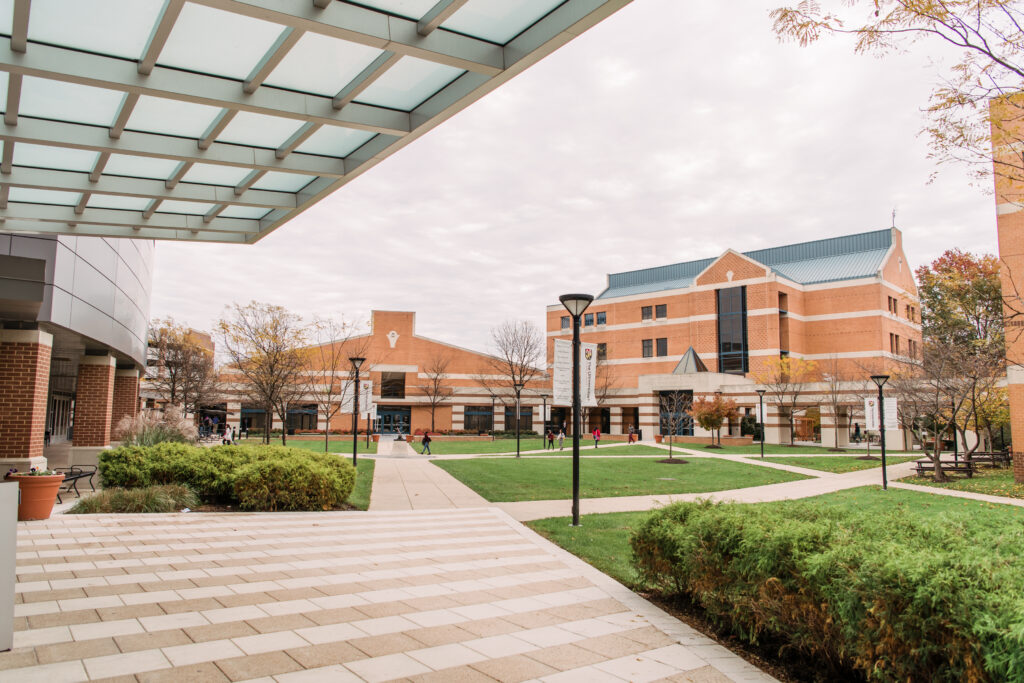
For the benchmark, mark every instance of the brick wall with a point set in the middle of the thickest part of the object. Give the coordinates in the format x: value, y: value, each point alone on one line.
x: 24, y: 382
x: 126, y: 397
x: 94, y: 398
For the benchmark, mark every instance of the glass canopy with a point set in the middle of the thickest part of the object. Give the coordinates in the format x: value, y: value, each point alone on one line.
x: 220, y: 120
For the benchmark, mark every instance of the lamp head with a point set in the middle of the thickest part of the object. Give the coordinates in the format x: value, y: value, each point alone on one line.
x: 576, y: 303
x: 518, y: 386
x: 357, y: 362
x: 880, y: 380
x: 760, y: 392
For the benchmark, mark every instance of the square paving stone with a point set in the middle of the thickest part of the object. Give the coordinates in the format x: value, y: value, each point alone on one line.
x: 206, y: 672
x: 256, y: 666
x: 316, y: 656
x: 513, y: 669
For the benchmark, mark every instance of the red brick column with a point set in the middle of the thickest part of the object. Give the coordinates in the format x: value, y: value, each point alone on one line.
x: 94, y: 398
x: 126, y: 397
x: 24, y: 382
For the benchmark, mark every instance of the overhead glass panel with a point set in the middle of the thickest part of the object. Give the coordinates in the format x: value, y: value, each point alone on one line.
x: 60, y: 158
x: 410, y: 9
x: 112, y: 27
x: 31, y: 195
x: 68, y: 101
x: 209, y: 174
x: 171, y: 117
x: 3, y: 90
x: 113, y: 201
x: 215, y: 42
x: 174, y: 206
x: 335, y: 142
x: 499, y: 21
x: 334, y: 63
x: 6, y: 16
x: 259, y: 130
x: 254, y: 212
x: 408, y: 83
x: 283, y: 182
x: 140, y: 167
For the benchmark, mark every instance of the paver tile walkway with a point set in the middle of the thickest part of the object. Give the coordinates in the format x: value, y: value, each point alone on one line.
x: 415, y: 484
x: 444, y: 595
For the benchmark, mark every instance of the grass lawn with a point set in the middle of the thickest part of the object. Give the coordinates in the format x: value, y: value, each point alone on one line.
x: 603, y: 540
x: 994, y: 482
x: 509, y: 479
x: 839, y: 463
x: 360, y: 497
x: 590, y: 451
x: 336, y: 445
x: 778, y: 449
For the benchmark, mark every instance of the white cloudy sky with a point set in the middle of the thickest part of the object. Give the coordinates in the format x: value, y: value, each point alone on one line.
x: 669, y: 132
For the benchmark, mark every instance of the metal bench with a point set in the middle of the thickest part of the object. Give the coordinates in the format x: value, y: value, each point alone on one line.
x: 71, y: 477
x: 996, y: 459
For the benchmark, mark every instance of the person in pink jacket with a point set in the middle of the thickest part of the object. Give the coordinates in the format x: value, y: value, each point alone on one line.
x: 597, y: 436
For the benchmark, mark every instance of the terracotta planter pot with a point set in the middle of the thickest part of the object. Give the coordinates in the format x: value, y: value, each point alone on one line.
x: 657, y: 438
x: 38, y: 494
x: 376, y: 438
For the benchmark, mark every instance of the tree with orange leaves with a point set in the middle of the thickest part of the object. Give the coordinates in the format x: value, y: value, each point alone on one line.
x: 711, y: 413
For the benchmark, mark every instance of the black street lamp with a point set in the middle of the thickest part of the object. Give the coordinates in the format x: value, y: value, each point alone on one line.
x: 492, y: 418
x: 880, y: 380
x: 760, y: 400
x: 518, y: 386
x: 544, y: 417
x: 576, y: 304
x: 356, y: 363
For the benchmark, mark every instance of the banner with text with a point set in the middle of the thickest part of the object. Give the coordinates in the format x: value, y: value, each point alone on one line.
x: 588, y: 375
x: 366, y: 407
x: 871, y: 414
x: 561, y: 374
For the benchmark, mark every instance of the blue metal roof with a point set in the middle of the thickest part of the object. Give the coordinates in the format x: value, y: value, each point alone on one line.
x: 828, y: 260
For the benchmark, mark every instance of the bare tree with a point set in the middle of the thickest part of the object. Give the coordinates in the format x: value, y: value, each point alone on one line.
x: 976, y: 384
x: 265, y: 344
x: 675, y: 413
x: 328, y: 367
x: 436, y: 387
x: 519, y: 351
x: 184, y: 375
x: 606, y: 382
x: 785, y: 380
x: 835, y: 395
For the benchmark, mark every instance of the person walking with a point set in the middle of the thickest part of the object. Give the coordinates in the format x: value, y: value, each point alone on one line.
x: 632, y: 434
x: 561, y: 438
x: 551, y: 440
x: 597, y: 436
x: 856, y: 432
x: 426, y: 444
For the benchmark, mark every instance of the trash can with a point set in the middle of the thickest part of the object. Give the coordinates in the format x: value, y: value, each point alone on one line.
x: 8, y: 550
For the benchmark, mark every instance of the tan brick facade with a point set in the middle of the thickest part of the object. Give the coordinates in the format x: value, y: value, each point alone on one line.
x: 126, y: 396
x: 24, y: 380
x: 94, y: 396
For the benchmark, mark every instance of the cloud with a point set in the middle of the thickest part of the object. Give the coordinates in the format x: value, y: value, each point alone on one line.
x: 669, y: 132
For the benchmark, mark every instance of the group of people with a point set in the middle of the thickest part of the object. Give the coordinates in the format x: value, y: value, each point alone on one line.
x: 596, y: 434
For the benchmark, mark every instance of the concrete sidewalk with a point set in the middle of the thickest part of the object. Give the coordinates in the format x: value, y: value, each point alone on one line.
x: 412, y: 483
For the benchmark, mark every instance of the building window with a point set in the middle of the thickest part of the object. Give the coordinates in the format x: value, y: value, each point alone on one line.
x: 645, y: 313
x: 602, y: 351
x: 894, y: 343
x: 478, y: 419
x: 894, y: 306
x: 648, y: 347
x: 660, y: 312
x: 912, y: 348
x: 525, y: 418
x: 601, y: 318
x: 732, y: 330
x: 663, y: 346
x: 911, y: 314
x: 565, y: 322
x: 588, y: 319
x: 392, y: 385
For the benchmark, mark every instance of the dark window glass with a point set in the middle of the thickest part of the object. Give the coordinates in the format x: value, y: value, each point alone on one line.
x: 478, y: 418
x: 732, y: 330
x: 660, y: 311
x: 588, y: 319
x: 392, y: 385
x: 648, y: 350
x: 601, y: 318
x: 525, y: 418
x: 645, y: 312
x: 602, y: 351
x: 663, y: 346
x: 675, y: 412
x: 565, y: 322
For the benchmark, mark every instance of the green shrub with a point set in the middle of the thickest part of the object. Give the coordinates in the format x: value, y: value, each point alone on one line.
x: 894, y: 598
x: 169, y: 498
x: 275, y: 477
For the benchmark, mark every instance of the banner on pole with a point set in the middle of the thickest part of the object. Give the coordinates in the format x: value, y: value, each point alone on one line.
x: 366, y: 407
x: 561, y: 374
x: 588, y: 375
x: 871, y: 414
x: 759, y: 413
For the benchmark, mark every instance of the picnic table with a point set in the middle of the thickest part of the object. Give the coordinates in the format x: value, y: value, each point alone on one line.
x: 962, y: 467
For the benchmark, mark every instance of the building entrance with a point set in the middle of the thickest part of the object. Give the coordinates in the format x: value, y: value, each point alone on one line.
x: 394, y: 419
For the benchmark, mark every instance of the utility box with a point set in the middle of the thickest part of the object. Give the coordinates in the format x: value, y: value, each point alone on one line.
x: 8, y: 551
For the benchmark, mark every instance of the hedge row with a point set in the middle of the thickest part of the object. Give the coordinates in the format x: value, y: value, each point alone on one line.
x: 893, y: 598
x: 253, y: 477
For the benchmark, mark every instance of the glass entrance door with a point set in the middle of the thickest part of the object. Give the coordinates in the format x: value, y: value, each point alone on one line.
x: 394, y: 419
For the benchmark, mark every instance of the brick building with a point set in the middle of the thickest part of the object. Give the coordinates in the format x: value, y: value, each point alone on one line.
x: 398, y: 364
x: 712, y: 325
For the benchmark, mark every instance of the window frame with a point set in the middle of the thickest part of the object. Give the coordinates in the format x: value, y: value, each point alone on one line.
x: 661, y: 347
x: 660, y: 311
x: 647, y: 348
x: 646, y: 313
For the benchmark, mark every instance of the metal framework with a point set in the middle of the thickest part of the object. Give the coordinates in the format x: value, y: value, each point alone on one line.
x: 268, y: 147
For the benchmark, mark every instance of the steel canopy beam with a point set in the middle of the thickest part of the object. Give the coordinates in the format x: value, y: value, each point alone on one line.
x: 175, y: 221
x: 16, y: 225
x: 438, y: 14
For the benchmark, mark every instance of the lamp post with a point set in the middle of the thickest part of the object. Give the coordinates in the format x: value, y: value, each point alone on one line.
x: 760, y: 413
x: 356, y: 363
x: 492, y: 418
x: 518, y: 386
x: 576, y: 304
x: 544, y: 417
x: 880, y: 380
